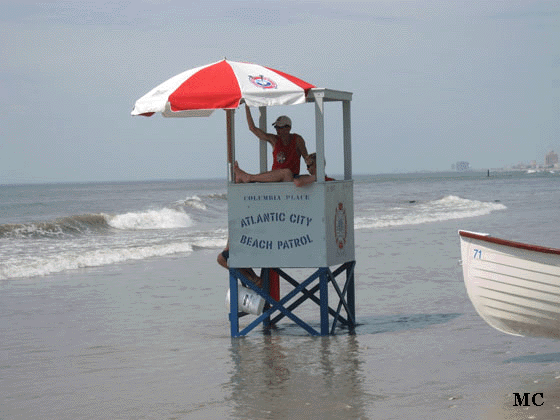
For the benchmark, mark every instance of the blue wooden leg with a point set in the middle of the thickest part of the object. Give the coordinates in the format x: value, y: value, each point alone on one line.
x: 265, y: 276
x: 233, y: 305
x: 351, y: 296
x: 324, y: 297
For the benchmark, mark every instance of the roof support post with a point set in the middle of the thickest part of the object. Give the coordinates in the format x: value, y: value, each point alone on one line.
x: 347, y: 138
x: 320, y: 137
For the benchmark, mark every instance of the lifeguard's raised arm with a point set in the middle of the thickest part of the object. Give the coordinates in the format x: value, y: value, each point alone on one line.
x: 263, y: 135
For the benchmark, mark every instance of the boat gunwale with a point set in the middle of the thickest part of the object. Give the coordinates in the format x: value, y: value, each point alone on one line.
x: 505, y: 242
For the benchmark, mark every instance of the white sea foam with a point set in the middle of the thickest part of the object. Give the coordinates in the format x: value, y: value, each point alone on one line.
x: 211, y: 243
x: 71, y: 260
x: 151, y: 219
x: 195, y: 202
x: 447, y: 208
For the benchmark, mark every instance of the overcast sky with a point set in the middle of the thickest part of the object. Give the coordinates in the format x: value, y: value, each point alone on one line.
x: 434, y: 82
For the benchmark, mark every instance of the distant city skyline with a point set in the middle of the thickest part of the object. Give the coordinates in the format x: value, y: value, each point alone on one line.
x: 550, y: 161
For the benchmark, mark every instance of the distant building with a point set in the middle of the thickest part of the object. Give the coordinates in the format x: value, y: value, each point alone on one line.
x: 551, y: 159
x: 462, y: 166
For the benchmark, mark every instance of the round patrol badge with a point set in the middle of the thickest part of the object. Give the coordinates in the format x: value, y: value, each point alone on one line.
x: 263, y: 82
x: 340, y: 226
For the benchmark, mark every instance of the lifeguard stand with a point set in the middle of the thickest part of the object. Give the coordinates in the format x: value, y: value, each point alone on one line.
x: 278, y: 225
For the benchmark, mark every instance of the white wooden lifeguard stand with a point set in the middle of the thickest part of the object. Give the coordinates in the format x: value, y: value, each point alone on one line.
x: 278, y: 225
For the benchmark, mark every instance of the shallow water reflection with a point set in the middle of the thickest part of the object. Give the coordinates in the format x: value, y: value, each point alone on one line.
x: 281, y: 377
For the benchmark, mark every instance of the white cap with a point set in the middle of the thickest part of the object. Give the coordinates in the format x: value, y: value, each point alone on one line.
x: 281, y: 121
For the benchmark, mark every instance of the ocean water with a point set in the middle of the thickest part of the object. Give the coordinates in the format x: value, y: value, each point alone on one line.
x: 47, y: 229
x: 112, y: 306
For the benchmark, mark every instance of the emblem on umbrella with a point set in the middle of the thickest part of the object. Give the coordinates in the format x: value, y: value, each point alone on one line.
x: 263, y: 82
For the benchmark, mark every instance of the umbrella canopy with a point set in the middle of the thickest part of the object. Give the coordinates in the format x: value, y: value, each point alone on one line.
x: 222, y: 85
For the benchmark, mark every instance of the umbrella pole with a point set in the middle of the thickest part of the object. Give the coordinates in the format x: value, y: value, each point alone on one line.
x: 262, y: 143
x: 230, y: 127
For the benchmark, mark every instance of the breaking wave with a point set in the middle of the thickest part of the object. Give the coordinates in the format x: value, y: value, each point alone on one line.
x: 152, y: 219
x: 71, y: 225
x: 90, y: 223
x: 195, y: 202
x: 72, y: 260
x: 447, y: 208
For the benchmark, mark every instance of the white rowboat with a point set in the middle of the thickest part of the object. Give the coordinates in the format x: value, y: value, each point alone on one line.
x: 514, y: 287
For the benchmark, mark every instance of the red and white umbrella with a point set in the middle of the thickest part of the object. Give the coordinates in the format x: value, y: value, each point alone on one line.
x: 222, y: 85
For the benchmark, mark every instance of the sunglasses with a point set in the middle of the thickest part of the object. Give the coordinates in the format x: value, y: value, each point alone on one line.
x: 278, y: 127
